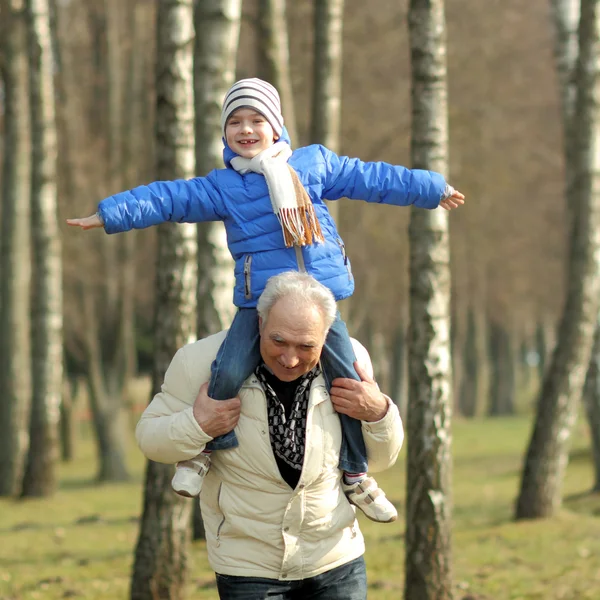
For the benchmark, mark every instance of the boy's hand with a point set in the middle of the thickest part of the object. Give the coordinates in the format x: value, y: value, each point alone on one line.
x: 453, y: 201
x: 87, y: 222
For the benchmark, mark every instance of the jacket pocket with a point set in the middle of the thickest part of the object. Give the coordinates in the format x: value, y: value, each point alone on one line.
x: 248, y: 277
x: 345, y: 257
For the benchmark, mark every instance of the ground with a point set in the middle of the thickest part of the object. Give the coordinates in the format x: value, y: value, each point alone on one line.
x: 79, y: 544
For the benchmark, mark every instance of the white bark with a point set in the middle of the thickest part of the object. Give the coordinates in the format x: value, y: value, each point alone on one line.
x: 327, y: 74
x: 218, y: 30
x: 161, y: 554
x: 47, y: 309
x: 566, y: 20
x: 428, y: 508
x: 274, y: 58
x: 547, y: 454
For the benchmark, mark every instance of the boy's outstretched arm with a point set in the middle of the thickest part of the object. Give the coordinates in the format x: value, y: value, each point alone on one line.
x: 87, y: 222
x: 384, y: 183
x: 179, y: 201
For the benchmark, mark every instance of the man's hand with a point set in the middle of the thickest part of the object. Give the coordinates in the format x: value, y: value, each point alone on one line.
x: 453, y: 201
x: 216, y: 417
x: 358, y: 399
x: 87, y: 222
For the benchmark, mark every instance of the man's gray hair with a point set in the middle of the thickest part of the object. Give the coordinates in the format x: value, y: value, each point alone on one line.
x: 302, y: 287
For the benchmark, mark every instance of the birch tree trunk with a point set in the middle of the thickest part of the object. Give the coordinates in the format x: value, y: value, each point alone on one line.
x: 591, y: 396
x: 217, y: 37
x: 274, y: 58
x: 15, y: 250
x: 547, y: 454
x: 565, y: 14
x: 160, y: 558
x: 503, y: 385
x: 120, y: 286
x: 47, y: 310
x: 218, y: 31
x: 469, y: 388
x: 107, y: 413
x: 327, y: 79
x: 428, y: 505
x: 327, y: 74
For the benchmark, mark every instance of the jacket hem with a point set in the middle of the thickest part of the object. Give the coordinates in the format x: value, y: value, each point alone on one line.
x: 225, y: 569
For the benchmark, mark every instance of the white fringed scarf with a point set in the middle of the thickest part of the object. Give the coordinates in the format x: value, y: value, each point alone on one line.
x: 289, y: 199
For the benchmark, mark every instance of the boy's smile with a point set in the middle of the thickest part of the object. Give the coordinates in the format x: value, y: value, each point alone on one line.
x: 248, y: 133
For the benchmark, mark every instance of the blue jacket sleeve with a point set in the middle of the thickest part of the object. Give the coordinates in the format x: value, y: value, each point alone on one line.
x: 380, y: 182
x: 181, y: 201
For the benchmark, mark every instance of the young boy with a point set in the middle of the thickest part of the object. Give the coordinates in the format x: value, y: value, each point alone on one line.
x: 271, y: 202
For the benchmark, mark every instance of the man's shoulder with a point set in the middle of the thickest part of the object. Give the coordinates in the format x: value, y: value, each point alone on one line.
x: 362, y: 356
x: 205, y: 348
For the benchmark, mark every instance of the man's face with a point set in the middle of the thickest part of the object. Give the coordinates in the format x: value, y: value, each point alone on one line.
x: 248, y: 133
x: 291, y: 339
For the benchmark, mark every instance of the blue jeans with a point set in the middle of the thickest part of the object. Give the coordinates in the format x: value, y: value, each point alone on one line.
x: 348, y: 582
x: 239, y: 355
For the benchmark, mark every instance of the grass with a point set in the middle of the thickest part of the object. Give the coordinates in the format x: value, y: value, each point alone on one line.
x: 79, y: 544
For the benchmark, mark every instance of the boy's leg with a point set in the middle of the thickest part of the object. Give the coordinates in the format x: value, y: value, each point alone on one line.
x: 337, y: 360
x: 236, y: 359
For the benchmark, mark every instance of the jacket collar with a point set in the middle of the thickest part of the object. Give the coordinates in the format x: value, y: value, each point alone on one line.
x: 318, y: 389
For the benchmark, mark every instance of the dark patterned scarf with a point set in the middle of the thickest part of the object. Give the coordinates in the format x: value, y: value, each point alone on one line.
x: 288, y: 434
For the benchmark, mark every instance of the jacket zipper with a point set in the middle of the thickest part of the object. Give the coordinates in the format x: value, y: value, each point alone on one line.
x: 247, y: 281
x: 344, y: 256
x: 223, y: 519
x: 300, y: 259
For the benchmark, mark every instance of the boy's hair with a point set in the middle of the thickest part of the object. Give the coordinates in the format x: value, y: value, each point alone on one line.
x: 257, y: 94
x: 303, y: 288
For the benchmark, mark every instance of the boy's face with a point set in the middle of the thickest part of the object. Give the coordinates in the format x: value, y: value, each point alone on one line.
x: 248, y: 133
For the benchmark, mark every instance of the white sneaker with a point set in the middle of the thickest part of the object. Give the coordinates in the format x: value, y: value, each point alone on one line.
x: 368, y: 496
x: 189, y: 475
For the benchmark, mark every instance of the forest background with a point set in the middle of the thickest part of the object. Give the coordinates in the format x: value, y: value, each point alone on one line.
x: 507, y: 245
x: 506, y: 147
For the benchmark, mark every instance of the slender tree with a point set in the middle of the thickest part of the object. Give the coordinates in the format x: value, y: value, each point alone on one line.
x: 274, y: 57
x: 428, y: 506
x: 566, y: 18
x: 547, y: 454
x: 327, y: 78
x: 327, y: 74
x: 101, y: 350
x: 40, y: 478
x: 15, y: 249
x: 160, y: 558
x: 217, y: 35
x: 218, y: 29
x: 502, y: 382
x: 565, y: 15
x: 591, y: 396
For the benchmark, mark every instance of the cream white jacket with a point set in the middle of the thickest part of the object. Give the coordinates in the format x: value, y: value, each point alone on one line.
x: 256, y: 526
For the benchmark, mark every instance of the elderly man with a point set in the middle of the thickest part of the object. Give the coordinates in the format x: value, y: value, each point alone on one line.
x: 278, y: 524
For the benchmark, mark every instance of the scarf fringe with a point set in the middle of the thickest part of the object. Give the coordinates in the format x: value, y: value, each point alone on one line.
x: 300, y: 226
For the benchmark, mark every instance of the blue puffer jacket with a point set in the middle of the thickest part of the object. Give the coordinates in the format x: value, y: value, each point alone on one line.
x: 254, y: 234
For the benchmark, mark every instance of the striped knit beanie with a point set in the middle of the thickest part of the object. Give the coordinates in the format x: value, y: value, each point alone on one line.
x: 257, y: 94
